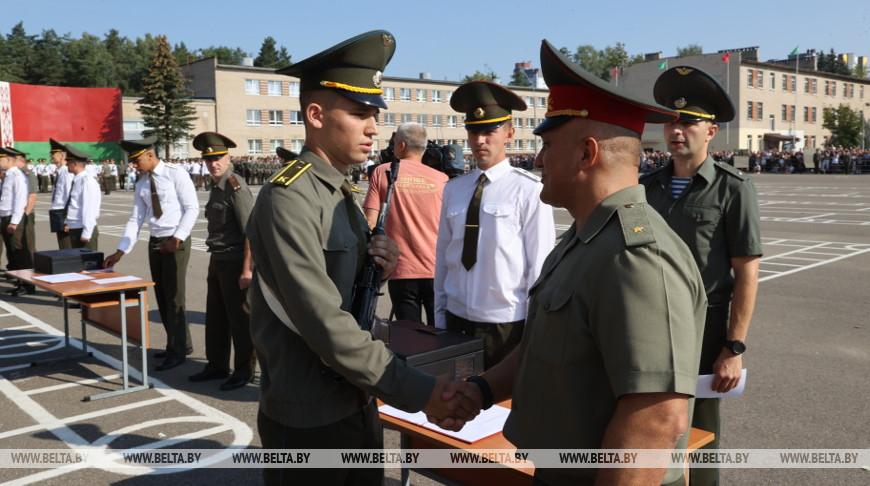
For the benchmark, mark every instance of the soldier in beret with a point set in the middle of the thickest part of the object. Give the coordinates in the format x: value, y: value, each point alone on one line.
x: 494, y: 231
x: 714, y: 209
x: 166, y: 198
x: 308, y: 240
x: 230, y: 268
x: 610, y: 352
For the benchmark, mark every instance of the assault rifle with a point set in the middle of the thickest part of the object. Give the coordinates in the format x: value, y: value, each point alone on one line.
x: 364, y: 299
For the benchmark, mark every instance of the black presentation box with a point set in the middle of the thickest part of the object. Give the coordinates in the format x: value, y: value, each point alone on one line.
x: 67, y: 261
x: 436, y: 351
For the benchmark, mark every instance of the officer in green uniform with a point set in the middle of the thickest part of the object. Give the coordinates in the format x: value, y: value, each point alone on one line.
x: 610, y: 352
x: 714, y: 209
x: 309, y: 239
x: 230, y: 268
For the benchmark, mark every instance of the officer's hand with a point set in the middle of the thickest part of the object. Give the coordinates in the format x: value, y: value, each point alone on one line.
x: 170, y: 245
x: 727, y: 371
x: 449, y: 406
x: 65, y: 229
x: 113, y: 259
x: 385, y: 251
x: 85, y: 240
x: 245, y: 278
x: 11, y: 228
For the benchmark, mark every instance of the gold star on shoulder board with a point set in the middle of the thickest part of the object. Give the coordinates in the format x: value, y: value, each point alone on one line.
x: 638, y: 229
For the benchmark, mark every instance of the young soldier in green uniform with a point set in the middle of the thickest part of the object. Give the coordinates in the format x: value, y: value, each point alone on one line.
x: 308, y: 239
x: 714, y: 209
x: 230, y: 268
x: 610, y: 352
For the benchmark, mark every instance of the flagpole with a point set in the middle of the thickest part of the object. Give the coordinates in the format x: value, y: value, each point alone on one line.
x: 794, y: 115
x: 728, y: 90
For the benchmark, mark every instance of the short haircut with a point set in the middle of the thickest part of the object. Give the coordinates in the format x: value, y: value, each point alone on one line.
x: 414, y: 135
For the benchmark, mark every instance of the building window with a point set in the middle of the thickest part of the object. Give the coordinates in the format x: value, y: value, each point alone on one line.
x: 530, y: 122
x: 760, y: 79
x: 861, y: 91
x: 785, y: 82
x: 436, y: 96
x: 252, y: 87
x: 518, y: 145
x: 518, y: 122
x: 772, y: 81
x: 451, y: 121
x: 542, y: 102
x: 274, y: 88
x: 421, y: 119
x: 274, y: 144
x: 530, y: 101
x: 294, y: 89
x: 793, y: 114
x: 807, y: 85
x: 749, y: 114
x: 421, y: 96
x: 276, y: 118
x: 833, y: 88
x: 295, y: 117
x: 390, y: 119
x: 296, y: 145
x: 437, y: 120
x: 784, y: 113
x: 815, y: 86
x: 806, y: 114
x: 814, y: 114
x: 389, y: 94
x: 793, y: 84
x: 404, y: 94
x: 406, y: 117
x: 255, y: 147
x: 750, y: 78
x: 760, y: 110
x: 253, y: 118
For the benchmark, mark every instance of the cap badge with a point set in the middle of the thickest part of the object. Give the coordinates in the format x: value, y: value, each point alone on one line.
x: 479, y: 113
x: 680, y: 102
x: 209, y: 150
x: 387, y: 39
x: 584, y: 113
x: 684, y: 70
x: 377, y: 78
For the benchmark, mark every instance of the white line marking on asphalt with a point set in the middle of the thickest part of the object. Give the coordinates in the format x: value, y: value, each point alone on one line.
x: 89, y: 381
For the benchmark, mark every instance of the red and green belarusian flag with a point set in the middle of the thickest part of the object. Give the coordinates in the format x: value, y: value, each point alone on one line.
x: 88, y: 118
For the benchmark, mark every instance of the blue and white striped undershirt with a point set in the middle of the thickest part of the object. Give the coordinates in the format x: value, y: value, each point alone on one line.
x: 678, y: 184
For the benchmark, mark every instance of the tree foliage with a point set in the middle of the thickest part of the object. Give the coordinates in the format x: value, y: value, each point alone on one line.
x: 844, y: 124
x: 270, y: 56
x: 479, y: 76
x: 831, y: 63
x: 165, y: 105
x: 224, y: 55
x: 519, y: 78
x: 601, y: 62
x: 690, y: 50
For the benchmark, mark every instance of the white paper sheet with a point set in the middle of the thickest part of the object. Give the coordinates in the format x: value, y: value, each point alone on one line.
x: 63, y: 277
x: 706, y: 381
x: 125, y: 278
x: 489, y: 422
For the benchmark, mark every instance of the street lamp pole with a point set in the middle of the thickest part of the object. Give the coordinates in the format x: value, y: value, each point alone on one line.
x: 534, y: 105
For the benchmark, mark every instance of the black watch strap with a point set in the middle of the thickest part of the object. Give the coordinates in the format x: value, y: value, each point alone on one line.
x: 736, y: 346
x: 484, y: 389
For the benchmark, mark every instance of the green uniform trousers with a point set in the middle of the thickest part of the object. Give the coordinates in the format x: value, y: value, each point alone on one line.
x: 499, y: 339
x: 19, y: 251
x: 227, y: 317
x: 169, y: 272
x: 75, y: 239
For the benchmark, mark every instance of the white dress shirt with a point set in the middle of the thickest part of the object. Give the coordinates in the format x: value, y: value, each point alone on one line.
x: 177, y: 201
x: 14, y: 197
x: 516, y: 234
x: 84, y: 204
x: 62, y: 185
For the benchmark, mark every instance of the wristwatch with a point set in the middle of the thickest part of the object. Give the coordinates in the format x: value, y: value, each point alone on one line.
x: 736, y: 346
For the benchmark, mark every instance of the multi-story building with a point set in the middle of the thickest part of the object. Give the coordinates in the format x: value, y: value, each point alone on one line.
x: 774, y: 102
x: 260, y: 110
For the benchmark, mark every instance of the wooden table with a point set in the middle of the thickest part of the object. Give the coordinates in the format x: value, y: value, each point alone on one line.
x: 109, y: 306
x: 417, y: 437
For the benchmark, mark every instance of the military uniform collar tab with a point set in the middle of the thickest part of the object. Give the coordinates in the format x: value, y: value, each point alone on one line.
x: 707, y: 170
x: 602, y: 214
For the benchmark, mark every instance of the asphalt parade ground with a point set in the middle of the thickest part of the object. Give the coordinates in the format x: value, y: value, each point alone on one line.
x: 807, y: 364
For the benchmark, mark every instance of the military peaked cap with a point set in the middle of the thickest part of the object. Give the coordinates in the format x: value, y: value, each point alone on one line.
x: 694, y: 94
x: 135, y: 148
x: 212, y: 144
x: 486, y: 105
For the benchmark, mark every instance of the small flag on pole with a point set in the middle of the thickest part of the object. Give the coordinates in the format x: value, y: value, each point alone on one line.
x: 795, y: 51
x: 663, y: 64
x: 727, y: 57
x: 615, y: 71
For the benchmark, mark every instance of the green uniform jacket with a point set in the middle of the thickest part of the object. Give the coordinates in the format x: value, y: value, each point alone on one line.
x: 306, y: 251
x: 227, y: 212
x: 717, y: 215
x: 618, y: 309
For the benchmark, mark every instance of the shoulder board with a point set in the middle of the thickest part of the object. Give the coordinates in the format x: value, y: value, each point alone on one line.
x: 233, y: 182
x: 733, y: 171
x: 635, y: 225
x: 354, y: 188
x: 289, y: 173
x: 527, y: 174
x: 649, y: 173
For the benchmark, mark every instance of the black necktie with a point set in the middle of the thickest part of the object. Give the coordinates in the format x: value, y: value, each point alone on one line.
x: 155, y: 201
x: 472, y: 226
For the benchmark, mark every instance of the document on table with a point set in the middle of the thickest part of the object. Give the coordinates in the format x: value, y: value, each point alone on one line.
x: 706, y: 381
x: 63, y: 277
x: 489, y: 422
x: 125, y: 278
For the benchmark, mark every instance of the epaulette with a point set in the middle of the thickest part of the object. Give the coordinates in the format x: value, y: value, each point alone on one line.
x: 289, y: 173
x: 733, y: 171
x: 649, y: 173
x: 528, y: 174
x: 354, y: 188
x: 234, y: 182
x: 636, y: 229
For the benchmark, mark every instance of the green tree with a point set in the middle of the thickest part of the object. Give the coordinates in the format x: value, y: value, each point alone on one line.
x: 831, y: 63
x: 602, y: 62
x: 844, y: 124
x: 518, y: 78
x: 88, y: 63
x: 182, y: 54
x: 224, y: 55
x: 165, y: 106
x: 49, y: 66
x: 860, y: 71
x: 270, y: 56
x: 16, y: 57
x: 479, y: 76
x: 690, y: 50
